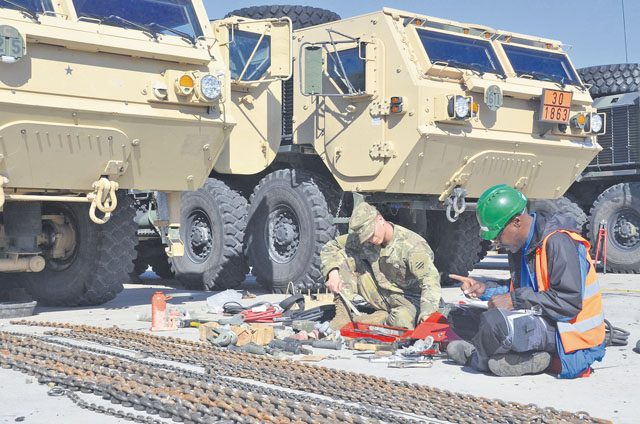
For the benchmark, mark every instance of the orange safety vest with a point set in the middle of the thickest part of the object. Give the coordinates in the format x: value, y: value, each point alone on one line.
x: 587, y: 329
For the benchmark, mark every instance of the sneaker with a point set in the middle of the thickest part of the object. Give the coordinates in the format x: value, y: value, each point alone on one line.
x: 460, y: 351
x: 514, y: 364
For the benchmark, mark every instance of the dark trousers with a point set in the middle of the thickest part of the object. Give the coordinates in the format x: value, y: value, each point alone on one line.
x: 497, y: 331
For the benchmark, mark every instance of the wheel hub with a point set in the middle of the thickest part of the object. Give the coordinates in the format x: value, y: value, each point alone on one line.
x: 283, y: 234
x: 200, y: 236
x: 626, y: 229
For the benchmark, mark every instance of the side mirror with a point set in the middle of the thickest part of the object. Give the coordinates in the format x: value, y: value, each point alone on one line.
x: 313, y: 70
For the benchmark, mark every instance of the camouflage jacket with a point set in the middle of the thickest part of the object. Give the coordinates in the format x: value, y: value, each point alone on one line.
x: 404, y: 266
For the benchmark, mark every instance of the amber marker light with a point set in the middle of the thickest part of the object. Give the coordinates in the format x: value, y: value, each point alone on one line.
x: 578, y: 121
x: 185, y: 85
x: 396, y: 104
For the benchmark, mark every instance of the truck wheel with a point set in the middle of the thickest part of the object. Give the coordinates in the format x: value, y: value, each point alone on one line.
x: 457, y: 247
x: 301, y: 16
x: 95, y: 267
x: 289, y: 222
x: 619, y: 206
x: 607, y: 80
x: 212, y: 224
x: 140, y: 266
x: 161, y: 266
x: 561, y: 206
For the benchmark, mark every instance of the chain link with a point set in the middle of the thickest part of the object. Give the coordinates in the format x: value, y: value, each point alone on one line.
x: 354, y: 398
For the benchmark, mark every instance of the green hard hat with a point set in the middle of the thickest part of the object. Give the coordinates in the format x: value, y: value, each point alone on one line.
x: 496, y: 207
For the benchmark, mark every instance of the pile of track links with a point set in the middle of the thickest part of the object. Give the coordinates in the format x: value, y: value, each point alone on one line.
x: 291, y: 392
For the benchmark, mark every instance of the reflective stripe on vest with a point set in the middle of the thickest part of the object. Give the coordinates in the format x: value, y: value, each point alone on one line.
x: 586, y: 329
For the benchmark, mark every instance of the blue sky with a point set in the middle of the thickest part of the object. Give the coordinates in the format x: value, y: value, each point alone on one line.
x: 593, y: 28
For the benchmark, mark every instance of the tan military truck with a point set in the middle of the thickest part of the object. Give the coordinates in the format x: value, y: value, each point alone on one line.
x: 418, y: 115
x: 97, y: 97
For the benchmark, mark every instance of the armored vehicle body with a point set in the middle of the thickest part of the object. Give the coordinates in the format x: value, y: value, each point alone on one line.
x: 99, y: 97
x: 417, y: 115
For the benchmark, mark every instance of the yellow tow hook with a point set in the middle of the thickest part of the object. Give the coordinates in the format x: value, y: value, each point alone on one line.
x: 104, y: 199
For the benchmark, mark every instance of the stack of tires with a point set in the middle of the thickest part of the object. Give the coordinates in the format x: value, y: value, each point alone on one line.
x: 616, y: 197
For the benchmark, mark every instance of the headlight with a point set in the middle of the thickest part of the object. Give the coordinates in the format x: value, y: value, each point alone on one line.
x: 595, y: 122
x: 459, y: 107
x: 210, y: 87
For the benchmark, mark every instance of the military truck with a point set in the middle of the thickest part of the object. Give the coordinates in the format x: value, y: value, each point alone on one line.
x: 97, y: 98
x: 609, y: 188
x: 415, y: 114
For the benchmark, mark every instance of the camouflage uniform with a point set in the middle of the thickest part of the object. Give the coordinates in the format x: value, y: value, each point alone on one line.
x: 399, y: 280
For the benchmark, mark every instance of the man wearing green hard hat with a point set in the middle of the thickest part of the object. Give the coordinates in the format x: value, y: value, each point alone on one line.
x: 552, y: 309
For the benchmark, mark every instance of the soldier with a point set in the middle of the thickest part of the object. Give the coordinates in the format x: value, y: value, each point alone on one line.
x: 389, y: 266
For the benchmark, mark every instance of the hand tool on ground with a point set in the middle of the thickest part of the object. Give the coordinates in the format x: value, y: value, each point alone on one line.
x: 222, y: 337
x: 292, y: 346
x: 411, y: 364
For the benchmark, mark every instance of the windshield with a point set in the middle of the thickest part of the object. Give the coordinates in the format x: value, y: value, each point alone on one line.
x: 171, y: 17
x: 460, y: 52
x: 541, y: 65
x: 240, y: 51
x: 35, y: 6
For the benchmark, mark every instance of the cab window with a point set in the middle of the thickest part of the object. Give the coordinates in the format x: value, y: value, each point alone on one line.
x: 169, y: 17
x: 460, y: 52
x: 541, y: 65
x: 354, y: 69
x: 242, y: 45
x: 34, y: 6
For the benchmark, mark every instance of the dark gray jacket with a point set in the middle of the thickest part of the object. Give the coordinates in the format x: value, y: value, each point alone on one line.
x: 564, y: 297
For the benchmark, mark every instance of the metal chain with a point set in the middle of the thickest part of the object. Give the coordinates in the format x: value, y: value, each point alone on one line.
x: 388, y: 395
x: 378, y: 413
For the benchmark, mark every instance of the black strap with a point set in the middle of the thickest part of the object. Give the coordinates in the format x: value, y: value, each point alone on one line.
x: 296, y: 299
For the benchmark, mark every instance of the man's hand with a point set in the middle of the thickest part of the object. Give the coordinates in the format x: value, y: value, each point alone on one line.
x: 470, y: 287
x: 334, y: 282
x: 501, y: 301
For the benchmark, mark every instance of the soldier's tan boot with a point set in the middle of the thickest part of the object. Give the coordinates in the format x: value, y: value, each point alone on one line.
x: 342, y: 315
x: 377, y: 317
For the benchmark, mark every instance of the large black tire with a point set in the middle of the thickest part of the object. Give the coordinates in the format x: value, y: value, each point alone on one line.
x: 619, y: 206
x: 101, y: 261
x: 607, y: 80
x: 301, y: 16
x: 290, y: 221
x: 457, y: 247
x: 212, y: 224
x: 561, y: 206
x: 140, y: 265
x: 161, y: 266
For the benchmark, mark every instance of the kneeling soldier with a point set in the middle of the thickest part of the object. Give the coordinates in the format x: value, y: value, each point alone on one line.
x: 389, y: 266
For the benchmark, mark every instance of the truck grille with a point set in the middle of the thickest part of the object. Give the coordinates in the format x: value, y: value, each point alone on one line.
x: 621, y: 142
